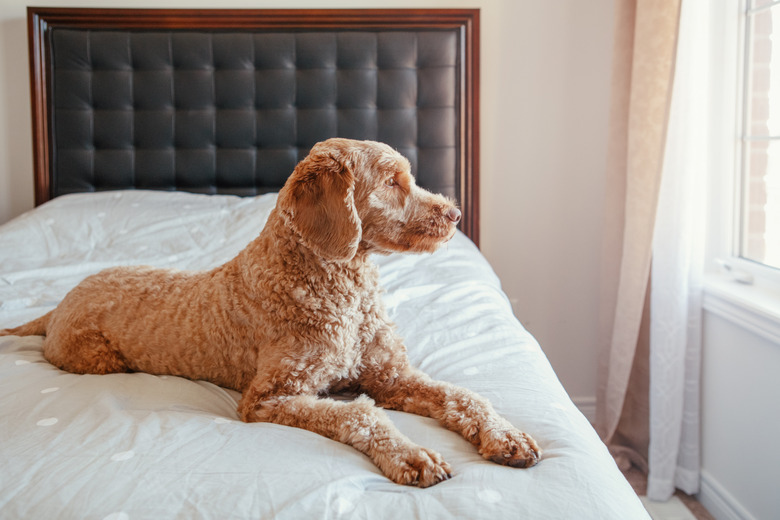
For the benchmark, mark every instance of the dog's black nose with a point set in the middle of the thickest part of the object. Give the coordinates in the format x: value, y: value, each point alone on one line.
x: 454, y: 215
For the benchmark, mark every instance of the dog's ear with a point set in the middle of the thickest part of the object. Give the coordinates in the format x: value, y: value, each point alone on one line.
x: 319, y: 200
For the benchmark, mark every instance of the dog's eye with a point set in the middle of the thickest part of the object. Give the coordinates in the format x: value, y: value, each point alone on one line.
x: 390, y: 182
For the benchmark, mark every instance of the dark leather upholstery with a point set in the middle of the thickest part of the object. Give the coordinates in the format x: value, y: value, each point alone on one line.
x: 233, y: 112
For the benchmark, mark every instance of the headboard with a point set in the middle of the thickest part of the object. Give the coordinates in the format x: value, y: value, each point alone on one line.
x: 228, y: 101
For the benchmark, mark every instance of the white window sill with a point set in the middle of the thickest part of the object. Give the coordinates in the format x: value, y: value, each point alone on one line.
x: 752, y: 307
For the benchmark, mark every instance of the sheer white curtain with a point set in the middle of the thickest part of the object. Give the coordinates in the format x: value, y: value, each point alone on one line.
x: 678, y: 244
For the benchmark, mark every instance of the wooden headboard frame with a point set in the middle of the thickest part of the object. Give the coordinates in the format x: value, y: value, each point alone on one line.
x: 466, y: 21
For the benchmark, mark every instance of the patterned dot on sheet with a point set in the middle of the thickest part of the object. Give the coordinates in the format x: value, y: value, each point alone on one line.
x: 123, y: 455
x: 49, y: 221
x: 47, y: 422
x: 120, y: 515
x: 173, y: 258
x: 490, y: 496
x: 471, y: 371
x: 102, y: 214
x: 20, y: 362
x: 342, y: 506
x: 50, y: 389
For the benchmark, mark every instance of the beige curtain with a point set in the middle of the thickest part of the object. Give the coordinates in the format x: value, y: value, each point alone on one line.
x: 643, y: 72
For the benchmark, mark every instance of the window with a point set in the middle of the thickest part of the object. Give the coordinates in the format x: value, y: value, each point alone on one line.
x: 759, y: 201
x: 742, y: 282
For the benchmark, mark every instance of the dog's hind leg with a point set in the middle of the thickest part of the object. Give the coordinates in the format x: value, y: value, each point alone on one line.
x: 83, y: 352
x: 363, y: 426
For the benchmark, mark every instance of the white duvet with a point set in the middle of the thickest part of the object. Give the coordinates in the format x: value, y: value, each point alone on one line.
x: 136, y: 446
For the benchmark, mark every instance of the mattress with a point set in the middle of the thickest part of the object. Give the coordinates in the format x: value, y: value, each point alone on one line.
x: 131, y: 446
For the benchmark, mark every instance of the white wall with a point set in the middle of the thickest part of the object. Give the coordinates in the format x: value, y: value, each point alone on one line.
x: 543, y: 172
x: 545, y: 90
x: 16, y: 182
x: 740, y: 420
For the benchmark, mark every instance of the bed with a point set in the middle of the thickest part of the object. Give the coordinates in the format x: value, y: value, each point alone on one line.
x: 161, y: 138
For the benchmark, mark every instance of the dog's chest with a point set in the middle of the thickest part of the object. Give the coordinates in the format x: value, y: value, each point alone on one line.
x: 337, y: 301
x: 337, y: 305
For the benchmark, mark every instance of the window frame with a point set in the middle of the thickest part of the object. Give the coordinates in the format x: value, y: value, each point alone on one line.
x: 755, y: 305
x: 728, y: 106
x: 763, y: 272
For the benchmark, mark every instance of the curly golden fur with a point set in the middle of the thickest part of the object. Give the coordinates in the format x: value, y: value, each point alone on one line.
x: 296, y: 315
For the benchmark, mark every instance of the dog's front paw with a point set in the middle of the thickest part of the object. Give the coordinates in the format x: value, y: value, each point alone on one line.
x: 509, y: 447
x: 415, y: 466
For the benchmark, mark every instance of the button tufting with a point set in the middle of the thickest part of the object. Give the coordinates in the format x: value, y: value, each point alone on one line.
x: 234, y: 112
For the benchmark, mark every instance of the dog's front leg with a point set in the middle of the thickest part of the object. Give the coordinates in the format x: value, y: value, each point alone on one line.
x: 458, y: 409
x: 362, y: 425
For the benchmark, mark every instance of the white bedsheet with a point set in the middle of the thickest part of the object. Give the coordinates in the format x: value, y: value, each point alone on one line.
x: 136, y: 446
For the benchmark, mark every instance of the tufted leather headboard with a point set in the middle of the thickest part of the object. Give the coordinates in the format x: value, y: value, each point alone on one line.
x: 228, y: 101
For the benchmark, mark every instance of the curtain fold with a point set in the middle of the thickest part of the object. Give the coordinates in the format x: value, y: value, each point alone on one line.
x: 643, y: 73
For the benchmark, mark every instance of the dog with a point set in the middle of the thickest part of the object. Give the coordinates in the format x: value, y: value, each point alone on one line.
x: 295, y: 316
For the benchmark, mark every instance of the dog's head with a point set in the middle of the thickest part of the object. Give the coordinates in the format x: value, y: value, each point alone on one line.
x: 348, y: 194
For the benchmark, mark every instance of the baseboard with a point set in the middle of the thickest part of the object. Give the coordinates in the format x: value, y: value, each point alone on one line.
x: 587, y: 405
x: 719, y: 502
